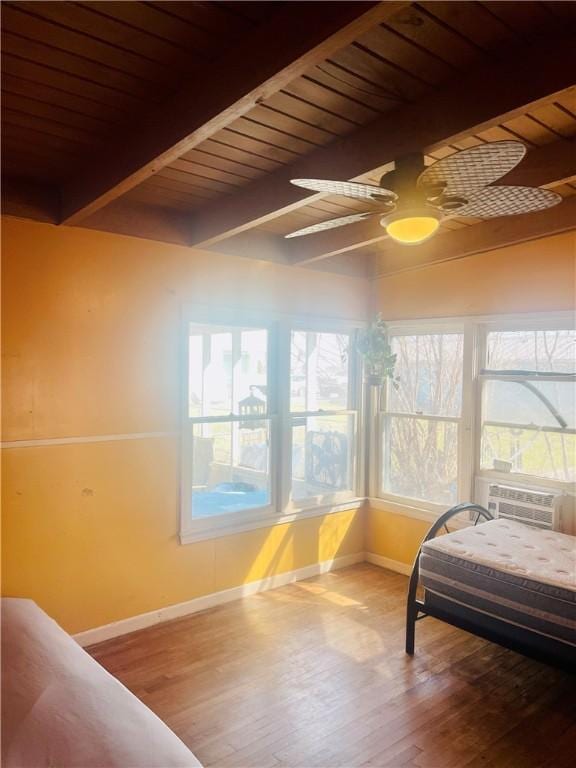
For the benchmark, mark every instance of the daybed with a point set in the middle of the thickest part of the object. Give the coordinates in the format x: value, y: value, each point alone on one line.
x: 503, y: 580
x: 61, y: 708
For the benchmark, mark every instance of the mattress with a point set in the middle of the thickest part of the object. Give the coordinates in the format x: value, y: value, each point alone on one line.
x: 61, y: 709
x: 508, y: 571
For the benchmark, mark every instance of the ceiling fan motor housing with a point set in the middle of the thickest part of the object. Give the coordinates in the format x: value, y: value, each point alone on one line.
x: 413, y: 199
x: 403, y: 179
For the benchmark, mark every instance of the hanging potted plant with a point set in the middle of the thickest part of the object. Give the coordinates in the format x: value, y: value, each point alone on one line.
x: 374, y: 347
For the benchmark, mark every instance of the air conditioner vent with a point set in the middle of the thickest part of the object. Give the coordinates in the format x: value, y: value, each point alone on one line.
x: 522, y: 495
x: 516, y: 512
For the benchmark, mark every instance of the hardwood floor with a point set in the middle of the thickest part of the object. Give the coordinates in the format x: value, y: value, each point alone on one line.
x: 314, y: 675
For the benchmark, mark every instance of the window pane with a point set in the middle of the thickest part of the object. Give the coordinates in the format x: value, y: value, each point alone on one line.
x: 230, y: 467
x: 218, y: 375
x: 251, y: 373
x: 323, y: 456
x: 528, y: 428
x: 195, y: 375
x: 532, y: 351
x: 298, y: 371
x: 531, y: 403
x: 228, y: 371
x: 420, y: 459
x: 530, y: 452
x: 429, y: 369
x: 319, y: 377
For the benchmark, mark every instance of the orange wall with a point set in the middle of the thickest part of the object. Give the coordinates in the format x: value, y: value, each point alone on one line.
x: 538, y: 276
x: 91, y: 330
x: 91, y: 325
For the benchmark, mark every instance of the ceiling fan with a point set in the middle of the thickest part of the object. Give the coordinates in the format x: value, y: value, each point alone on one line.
x: 412, y: 200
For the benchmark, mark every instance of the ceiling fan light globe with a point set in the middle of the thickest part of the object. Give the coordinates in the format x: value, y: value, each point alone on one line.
x: 411, y: 227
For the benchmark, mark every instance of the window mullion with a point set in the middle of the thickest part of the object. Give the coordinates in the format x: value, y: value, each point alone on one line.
x: 424, y: 416
x: 234, y: 434
x: 378, y: 403
x: 384, y: 452
x: 466, y: 446
x: 357, y: 400
x: 205, y: 363
x: 306, y: 371
x: 488, y: 375
x: 481, y: 341
x: 312, y: 414
x: 283, y: 470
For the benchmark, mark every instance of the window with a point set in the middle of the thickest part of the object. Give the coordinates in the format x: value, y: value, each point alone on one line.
x: 422, y: 417
x: 484, y: 397
x: 270, y: 427
x: 529, y: 404
x: 229, y: 420
x: 323, y: 417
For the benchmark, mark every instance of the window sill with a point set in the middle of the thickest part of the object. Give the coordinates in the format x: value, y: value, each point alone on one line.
x: 417, y: 513
x: 405, y: 510
x: 241, y: 526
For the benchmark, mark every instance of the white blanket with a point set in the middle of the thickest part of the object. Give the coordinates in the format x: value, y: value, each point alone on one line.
x: 61, y: 709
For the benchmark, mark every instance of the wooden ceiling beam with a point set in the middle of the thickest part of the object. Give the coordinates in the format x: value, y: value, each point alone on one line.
x: 24, y: 199
x: 295, y: 39
x: 479, y: 238
x: 471, y: 103
x: 546, y: 166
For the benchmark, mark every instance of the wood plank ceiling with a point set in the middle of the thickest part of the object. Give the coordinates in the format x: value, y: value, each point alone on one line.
x: 81, y: 77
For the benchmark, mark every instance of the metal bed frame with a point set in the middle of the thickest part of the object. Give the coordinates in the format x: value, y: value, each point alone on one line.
x: 467, y: 618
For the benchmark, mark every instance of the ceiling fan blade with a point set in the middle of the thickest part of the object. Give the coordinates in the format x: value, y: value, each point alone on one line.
x: 509, y: 201
x: 346, y: 188
x: 330, y: 224
x: 472, y: 169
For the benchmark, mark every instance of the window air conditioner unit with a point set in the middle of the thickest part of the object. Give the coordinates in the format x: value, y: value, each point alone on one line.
x: 539, y: 507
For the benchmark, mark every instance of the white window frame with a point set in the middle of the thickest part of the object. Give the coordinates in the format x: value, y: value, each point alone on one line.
x: 531, y: 323
x: 355, y: 395
x: 281, y: 508
x: 444, y: 325
x: 475, y: 330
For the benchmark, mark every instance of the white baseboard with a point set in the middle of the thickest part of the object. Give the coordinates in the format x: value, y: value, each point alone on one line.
x: 143, y: 620
x: 387, y: 562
